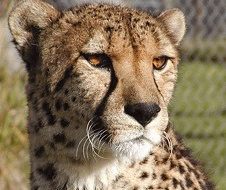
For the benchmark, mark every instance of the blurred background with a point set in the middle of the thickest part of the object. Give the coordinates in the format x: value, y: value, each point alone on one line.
x: 198, y: 109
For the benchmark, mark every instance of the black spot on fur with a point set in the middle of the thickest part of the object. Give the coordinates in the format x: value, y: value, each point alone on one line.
x: 154, y: 176
x: 45, y: 107
x: 109, y: 29
x: 185, y: 152
x: 59, y: 138
x: 47, y: 91
x: 35, y: 188
x: 144, y: 161
x: 38, y: 126
x: 181, y: 169
x: 48, y: 172
x: 164, y: 177
x: 167, y: 128
x: 73, y: 99
x: 58, y: 104
x: 189, y: 182
x: 52, y: 145
x: 70, y: 144
x: 157, y: 162
x: 118, y: 178
x: 172, y: 165
x: 177, y: 152
x: 151, y: 154
x: 197, y: 175
x: 164, y: 160
x: 148, y: 23
x: 66, y: 91
x: 76, y: 24
x: 144, y: 175
x: 51, y: 117
x: 150, y: 187
x: 66, y: 106
x: 175, y: 183
x: 39, y: 152
x: 135, y: 188
x: 64, y: 123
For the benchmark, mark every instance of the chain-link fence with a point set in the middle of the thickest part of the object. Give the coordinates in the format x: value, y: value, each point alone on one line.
x: 206, y: 24
x: 205, y: 38
x: 198, y: 109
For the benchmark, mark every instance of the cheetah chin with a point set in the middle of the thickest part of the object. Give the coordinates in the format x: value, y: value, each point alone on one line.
x: 136, y: 149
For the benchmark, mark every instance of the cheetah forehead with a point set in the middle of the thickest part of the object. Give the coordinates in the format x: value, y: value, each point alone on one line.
x: 114, y: 28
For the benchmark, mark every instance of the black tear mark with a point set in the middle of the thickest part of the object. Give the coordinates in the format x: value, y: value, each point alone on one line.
x: 67, y: 74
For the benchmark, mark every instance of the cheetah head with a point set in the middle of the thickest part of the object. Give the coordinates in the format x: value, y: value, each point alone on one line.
x: 106, y: 74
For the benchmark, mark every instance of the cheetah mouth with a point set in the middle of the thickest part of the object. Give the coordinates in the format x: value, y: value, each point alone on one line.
x: 141, y: 139
x: 133, y: 144
x: 135, y: 149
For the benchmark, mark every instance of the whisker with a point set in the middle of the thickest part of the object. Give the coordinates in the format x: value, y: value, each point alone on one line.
x: 76, y: 155
x: 84, y: 147
x: 103, y: 142
x: 97, y: 148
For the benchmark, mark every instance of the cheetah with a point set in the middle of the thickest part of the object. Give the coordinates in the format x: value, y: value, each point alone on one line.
x: 100, y: 78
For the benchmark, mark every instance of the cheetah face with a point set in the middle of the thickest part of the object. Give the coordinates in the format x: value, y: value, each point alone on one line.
x: 116, y: 68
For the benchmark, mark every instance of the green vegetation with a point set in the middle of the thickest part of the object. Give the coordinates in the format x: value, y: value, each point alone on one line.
x: 13, y: 138
x: 198, y: 111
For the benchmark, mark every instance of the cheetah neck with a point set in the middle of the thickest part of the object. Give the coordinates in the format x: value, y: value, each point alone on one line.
x: 95, y: 174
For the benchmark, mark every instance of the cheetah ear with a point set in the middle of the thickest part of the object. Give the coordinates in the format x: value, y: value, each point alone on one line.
x: 174, y: 22
x: 27, y: 18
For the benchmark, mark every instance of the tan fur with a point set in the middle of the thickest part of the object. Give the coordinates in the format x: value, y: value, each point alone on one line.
x: 82, y: 129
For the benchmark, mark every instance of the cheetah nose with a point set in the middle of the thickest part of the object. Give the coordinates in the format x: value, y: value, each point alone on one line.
x: 142, y: 112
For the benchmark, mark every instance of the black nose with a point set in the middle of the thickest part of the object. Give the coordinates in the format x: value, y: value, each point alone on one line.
x: 142, y: 112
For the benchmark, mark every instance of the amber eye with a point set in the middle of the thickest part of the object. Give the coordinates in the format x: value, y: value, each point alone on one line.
x: 160, y: 62
x: 98, y: 60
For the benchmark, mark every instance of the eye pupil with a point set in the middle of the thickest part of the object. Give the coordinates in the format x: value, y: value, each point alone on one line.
x: 98, y: 60
x: 160, y: 62
x: 95, y: 60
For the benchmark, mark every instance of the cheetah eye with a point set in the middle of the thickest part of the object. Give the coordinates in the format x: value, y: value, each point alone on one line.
x: 159, y: 63
x: 98, y: 60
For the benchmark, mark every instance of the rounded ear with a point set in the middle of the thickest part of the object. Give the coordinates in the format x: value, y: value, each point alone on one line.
x: 174, y: 22
x: 27, y: 18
